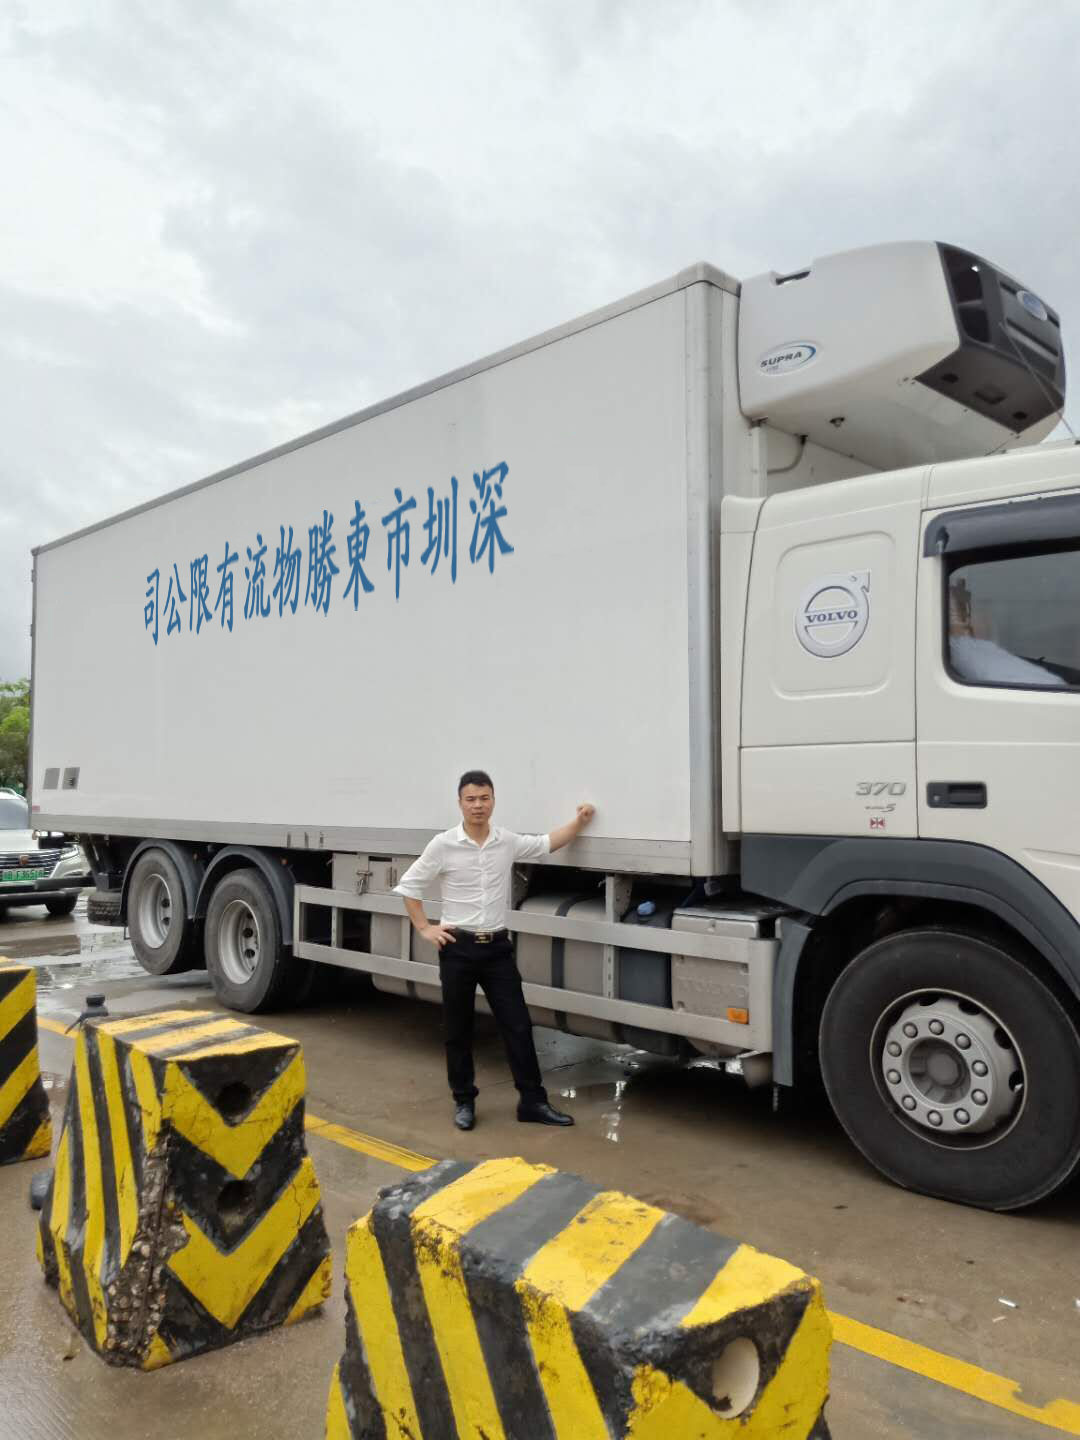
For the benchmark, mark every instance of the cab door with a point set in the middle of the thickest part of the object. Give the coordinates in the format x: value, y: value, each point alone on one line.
x: 828, y: 726
x: 998, y: 683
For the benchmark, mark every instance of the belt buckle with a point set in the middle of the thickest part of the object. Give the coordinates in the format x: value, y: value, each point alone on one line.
x: 483, y: 937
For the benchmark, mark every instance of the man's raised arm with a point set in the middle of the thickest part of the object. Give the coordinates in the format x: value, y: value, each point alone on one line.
x: 570, y: 831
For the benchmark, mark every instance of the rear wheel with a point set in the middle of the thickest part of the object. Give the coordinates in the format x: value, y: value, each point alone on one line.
x: 250, y: 969
x: 162, y: 933
x: 61, y: 905
x: 954, y: 1069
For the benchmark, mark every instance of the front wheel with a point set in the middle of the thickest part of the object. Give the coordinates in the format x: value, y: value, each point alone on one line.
x: 62, y: 905
x: 250, y: 969
x: 954, y: 1069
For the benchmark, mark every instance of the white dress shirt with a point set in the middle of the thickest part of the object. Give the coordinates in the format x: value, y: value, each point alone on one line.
x: 474, y: 880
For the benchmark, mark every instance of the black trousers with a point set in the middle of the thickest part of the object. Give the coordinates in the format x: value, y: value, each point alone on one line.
x: 464, y: 964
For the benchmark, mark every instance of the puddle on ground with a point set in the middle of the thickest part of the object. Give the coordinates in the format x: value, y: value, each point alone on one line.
x: 86, y: 971
x: 605, y: 1081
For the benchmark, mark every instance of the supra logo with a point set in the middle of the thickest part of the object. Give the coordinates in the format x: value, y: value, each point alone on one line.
x: 786, y: 358
x: 833, y: 613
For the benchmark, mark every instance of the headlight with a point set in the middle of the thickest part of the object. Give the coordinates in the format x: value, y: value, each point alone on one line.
x: 71, y: 862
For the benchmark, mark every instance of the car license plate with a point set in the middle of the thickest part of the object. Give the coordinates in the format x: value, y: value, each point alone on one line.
x: 16, y: 877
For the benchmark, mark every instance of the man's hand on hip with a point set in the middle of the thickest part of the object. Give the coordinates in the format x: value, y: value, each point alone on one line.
x: 438, y: 935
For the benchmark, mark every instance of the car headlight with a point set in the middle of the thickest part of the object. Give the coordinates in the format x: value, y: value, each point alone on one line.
x: 72, y: 862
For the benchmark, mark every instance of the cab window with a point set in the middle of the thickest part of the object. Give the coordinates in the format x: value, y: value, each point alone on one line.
x: 1014, y: 619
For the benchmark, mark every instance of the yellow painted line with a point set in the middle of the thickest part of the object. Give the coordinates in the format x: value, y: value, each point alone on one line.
x: 367, y: 1144
x: 1061, y: 1415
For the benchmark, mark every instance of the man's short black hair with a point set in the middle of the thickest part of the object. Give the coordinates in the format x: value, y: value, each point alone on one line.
x: 475, y: 777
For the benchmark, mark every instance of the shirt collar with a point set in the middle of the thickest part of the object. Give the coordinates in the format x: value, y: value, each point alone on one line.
x: 460, y: 836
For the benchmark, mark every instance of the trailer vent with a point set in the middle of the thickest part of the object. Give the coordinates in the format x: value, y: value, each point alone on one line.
x: 71, y: 778
x: 52, y: 778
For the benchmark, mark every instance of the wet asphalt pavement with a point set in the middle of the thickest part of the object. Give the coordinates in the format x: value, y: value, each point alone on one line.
x: 690, y: 1140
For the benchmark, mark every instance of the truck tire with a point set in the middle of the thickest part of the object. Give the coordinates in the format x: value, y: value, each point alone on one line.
x: 162, y: 933
x: 954, y: 1069
x: 250, y: 969
x: 62, y: 905
x: 103, y: 907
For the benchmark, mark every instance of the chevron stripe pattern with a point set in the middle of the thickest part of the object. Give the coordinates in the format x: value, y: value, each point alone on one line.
x: 184, y: 1212
x: 25, y: 1126
x: 509, y: 1301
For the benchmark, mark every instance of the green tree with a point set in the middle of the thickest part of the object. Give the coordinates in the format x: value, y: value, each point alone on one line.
x: 14, y: 733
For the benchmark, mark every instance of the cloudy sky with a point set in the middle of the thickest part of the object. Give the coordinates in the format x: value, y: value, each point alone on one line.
x: 225, y: 222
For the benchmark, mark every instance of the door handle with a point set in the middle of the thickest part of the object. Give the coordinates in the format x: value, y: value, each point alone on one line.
x: 956, y: 794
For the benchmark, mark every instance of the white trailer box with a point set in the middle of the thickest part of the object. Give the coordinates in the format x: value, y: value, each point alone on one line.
x: 519, y: 574
x: 609, y: 565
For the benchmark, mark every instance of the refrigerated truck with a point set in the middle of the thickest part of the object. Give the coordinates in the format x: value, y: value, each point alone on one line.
x: 774, y: 574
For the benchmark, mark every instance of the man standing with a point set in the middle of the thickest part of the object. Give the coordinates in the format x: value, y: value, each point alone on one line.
x: 473, y: 863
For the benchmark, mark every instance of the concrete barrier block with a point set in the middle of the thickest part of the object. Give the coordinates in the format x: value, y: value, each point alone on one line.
x: 25, y: 1126
x: 514, y: 1302
x: 184, y: 1212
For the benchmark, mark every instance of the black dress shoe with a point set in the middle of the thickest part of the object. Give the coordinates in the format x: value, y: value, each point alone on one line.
x: 543, y: 1114
x: 465, y: 1116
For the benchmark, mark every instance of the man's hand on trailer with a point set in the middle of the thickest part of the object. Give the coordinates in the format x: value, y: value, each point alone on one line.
x: 565, y: 833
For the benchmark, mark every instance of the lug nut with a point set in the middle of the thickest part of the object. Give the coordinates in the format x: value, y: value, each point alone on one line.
x: 963, y: 1042
x: 893, y: 1077
x: 934, y: 1117
x: 894, y: 1049
x: 936, y: 1027
x: 962, y: 1117
x: 911, y: 1030
x: 980, y: 1068
x: 979, y: 1097
x: 908, y: 1102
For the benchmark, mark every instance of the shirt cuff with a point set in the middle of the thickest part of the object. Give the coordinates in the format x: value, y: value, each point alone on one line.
x: 408, y: 892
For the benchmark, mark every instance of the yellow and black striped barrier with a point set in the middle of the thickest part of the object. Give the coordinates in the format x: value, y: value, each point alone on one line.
x: 184, y: 1212
x: 527, y: 1305
x: 25, y: 1126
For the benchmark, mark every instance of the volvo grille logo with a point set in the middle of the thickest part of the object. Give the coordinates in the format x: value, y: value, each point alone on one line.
x: 833, y: 614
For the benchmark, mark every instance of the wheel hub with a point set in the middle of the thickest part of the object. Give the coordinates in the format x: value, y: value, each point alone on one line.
x: 155, y: 911
x: 240, y: 942
x: 951, y: 1067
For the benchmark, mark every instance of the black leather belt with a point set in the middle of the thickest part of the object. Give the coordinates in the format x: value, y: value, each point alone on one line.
x: 479, y: 937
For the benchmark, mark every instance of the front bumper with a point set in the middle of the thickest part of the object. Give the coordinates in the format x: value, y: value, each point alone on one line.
x: 69, y: 875
x: 64, y: 884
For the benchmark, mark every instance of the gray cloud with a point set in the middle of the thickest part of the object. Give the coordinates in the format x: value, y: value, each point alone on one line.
x: 233, y: 229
